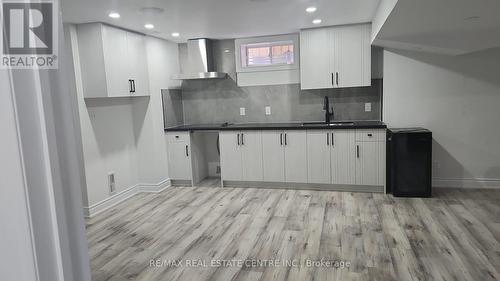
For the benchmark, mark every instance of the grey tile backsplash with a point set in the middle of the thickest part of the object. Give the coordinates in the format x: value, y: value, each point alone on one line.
x: 218, y: 101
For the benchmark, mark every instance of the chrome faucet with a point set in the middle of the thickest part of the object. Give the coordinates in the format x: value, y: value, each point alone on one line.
x: 328, y: 110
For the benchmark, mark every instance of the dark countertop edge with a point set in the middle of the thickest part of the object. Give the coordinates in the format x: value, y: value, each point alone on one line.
x: 298, y: 126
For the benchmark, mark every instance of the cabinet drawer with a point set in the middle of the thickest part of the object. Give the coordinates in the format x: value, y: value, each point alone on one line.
x: 177, y: 137
x: 370, y: 135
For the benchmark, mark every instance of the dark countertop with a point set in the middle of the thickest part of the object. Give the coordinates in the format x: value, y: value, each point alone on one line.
x: 279, y: 126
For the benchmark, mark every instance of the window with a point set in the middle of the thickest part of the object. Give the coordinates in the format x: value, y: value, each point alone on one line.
x: 267, y: 53
x: 269, y: 60
x: 270, y: 53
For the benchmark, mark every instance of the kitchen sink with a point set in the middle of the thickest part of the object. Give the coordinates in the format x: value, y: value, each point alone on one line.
x: 340, y: 123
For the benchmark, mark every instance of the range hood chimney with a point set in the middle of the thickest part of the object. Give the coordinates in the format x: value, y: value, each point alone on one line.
x: 200, y: 62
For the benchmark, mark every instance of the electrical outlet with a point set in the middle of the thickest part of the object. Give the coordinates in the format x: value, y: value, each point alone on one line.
x: 111, y: 183
x: 368, y: 107
x: 242, y: 111
x: 268, y: 110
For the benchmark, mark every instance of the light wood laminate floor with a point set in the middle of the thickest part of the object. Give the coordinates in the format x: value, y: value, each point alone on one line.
x: 453, y: 236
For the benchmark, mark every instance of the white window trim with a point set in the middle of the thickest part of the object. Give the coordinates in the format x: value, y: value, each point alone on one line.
x: 256, y: 40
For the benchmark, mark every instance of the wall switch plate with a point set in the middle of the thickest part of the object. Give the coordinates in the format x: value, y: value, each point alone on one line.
x: 368, y: 107
x: 242, y: 111
x: 268, y: 110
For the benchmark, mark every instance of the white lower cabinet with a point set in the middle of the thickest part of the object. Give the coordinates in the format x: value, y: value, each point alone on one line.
x: 367, y: 163
x: 179, y: 156
x: 336, y: 157
x: 343, y: 160
x: 331, y: 156
x: 370, y: 157
x: 284, y: 156
x: 251, y: 155
x: 241, y: 155
x: 230, y: 156
x: 295, y: 143
x: 318, y: 156
x: 273, y: 154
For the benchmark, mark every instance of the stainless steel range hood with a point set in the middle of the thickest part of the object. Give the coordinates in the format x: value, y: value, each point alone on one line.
x: 200, y: 62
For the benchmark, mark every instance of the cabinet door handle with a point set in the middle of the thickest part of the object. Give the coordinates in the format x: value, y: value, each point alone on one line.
x: 133, y: 86
x: 327, y: 139
x: 285, y: 140
x: 238, y: 138
x: 332, y: 80
x: 242, y: 139
x: 130, y: 85
x: 281, y: 139
x: 357, y: 151
x: 187, y: 151
x: 333, y: 144
x: 337, y: 78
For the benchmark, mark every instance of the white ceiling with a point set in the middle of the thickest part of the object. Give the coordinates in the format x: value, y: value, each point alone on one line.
x: 219, y: 19
x: 445, y: 26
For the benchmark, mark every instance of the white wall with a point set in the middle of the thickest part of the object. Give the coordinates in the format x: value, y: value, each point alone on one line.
x: 16, y: 243
x: 384, y: 9
x: 125, y: 135
x: 163, y: 62
x: 457, y: 97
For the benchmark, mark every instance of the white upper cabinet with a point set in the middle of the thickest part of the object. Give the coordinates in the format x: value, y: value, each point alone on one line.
x: 138, y: 70
x: 335, y: 57
x: 113, y: 62
x: 315, y: 70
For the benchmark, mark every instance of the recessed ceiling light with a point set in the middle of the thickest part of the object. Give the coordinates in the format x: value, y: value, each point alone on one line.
x: 311, y: 9
x: 114, y: 15
x: 149, y: 26
x: 226, y: 51
x: 175, y: 34
x: 317, y: 21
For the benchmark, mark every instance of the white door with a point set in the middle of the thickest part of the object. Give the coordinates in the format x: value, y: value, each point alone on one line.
x: 343, y: 157
x: 179, y: 163
x: 230, y: 155
x: 137, y: 63
x: 352, y: 56
x: 251, y: 155
x: 115, y: 61
x: 318, y: 156
x: 295, y: 156
x: 315, y: 52
x: 273, y: 156
x: 367, y: 163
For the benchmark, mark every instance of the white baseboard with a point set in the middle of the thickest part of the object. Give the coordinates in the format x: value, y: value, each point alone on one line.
x: 466, y: 183
x: 124, y: 195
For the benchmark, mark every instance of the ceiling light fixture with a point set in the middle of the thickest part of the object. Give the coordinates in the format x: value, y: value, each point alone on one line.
x: 175, y: 34
x: 317, y: 21
x: 149, y: 26
x: 114, y: 15
x: 311, y: 9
